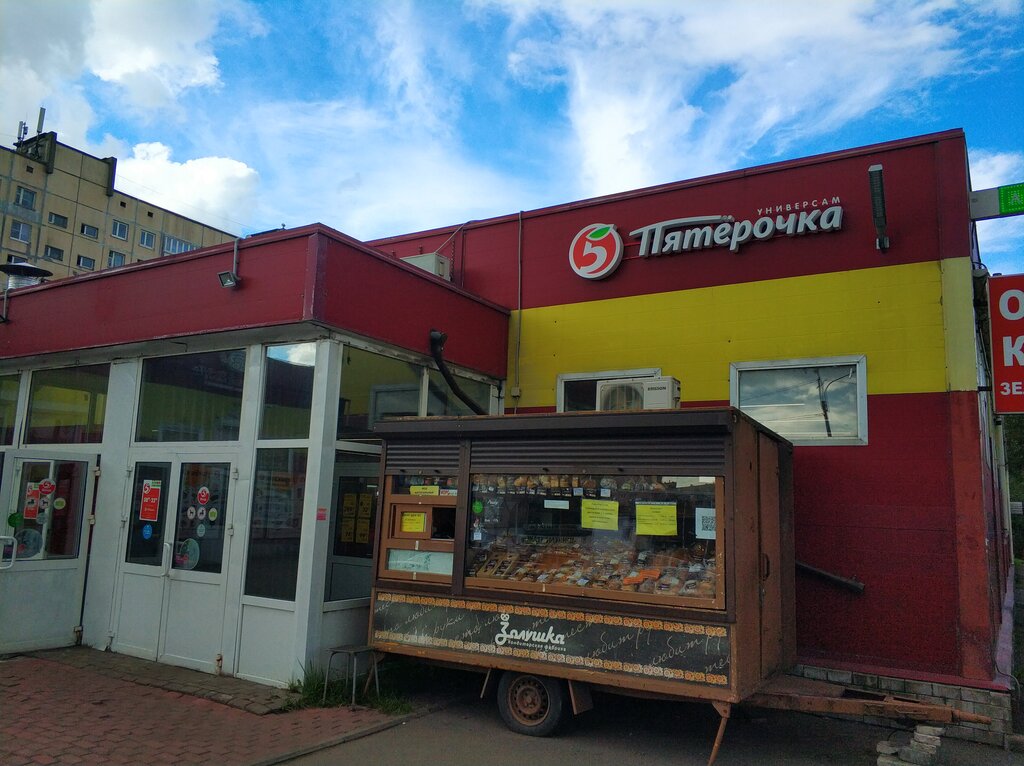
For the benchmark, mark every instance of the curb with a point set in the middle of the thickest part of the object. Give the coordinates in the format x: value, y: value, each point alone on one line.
x: 366, y: 731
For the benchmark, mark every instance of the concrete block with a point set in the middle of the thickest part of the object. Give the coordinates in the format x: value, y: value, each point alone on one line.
x: 818, y: 674
x: 885, y: 747
x: 892, y: 684
x: 921, y: 747
x: 994, y: 711
x: 931, y: 731
x: 840, y: 676
x: 865, y: 681
x: 927, y: 739
x: 889, y: 760
x: 910, y: 755
x: 975, y: 695
x: 920, y: 687
x: 947, y: 692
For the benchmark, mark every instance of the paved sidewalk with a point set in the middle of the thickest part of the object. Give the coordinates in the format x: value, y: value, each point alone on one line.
x: 82, y: 706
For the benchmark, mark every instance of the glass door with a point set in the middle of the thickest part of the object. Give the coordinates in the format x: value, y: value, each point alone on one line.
x: 354, y: 508
x: 42, y: 553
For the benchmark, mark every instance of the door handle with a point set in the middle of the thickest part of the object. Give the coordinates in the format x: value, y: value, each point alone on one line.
x: 6, y: 540
x: 165, y: 564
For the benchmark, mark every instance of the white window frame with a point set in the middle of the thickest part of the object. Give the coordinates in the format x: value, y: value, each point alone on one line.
x: 859, y: 361
x: 641, y: 372
x: 51, y: 249
x: 54, y: 219
x: 23, y: 195
x: 80, y: 265
x: 18, y: 228
x: 147, y: 235
x: 119, y: 230
x: 91, y: 228
x: 112, y: 254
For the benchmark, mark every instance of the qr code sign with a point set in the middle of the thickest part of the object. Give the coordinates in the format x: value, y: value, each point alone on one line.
x: 707, y: 524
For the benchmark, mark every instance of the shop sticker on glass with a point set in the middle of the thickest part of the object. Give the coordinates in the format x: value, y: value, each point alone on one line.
x: 31, y: 501
x: 321, y: 514
x: 365, y: 505
x: 599, y: 514
x: 149, y: 508
x: 147, y: 531
x: 201, y: 513
x: 47, y: 487
x: 704, y: 524
x: 201, y: 530
x: 362, y: 531
x: 212, y: 514
x: 656, y: 519
x: 191, y: 512
x: 557, y: 505
x: 203, y: 495
x: 425, y: 489
x: 478, y: 507
x: 348, y: 505
x: 414, y: 522
x: 60, y: 503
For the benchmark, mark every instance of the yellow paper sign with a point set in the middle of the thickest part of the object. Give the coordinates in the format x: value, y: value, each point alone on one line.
x: 656, y: 519
x: 414, y: 522
x: 362, y: 530
x: 347, y: 533
x: 348, y: 505
x: 599, y: 514
x: 425, y: 489
x: 365, y: 506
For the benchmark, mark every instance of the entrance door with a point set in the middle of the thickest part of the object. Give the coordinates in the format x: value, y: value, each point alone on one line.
x: 172, y: 583
x: 43, y: 562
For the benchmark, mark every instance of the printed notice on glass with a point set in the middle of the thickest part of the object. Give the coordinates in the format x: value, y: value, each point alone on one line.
x: 348, y: 530
x: 704, y: 524
x: 414, y: 522
x: 362, y: 531
x: 348, y: 506
x: 425, y: 489
x: 656, y: 519
x: 365, y: 505
x: 599, y: 514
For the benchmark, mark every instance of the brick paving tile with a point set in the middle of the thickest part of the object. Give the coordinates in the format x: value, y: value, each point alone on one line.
x: 71, y: 709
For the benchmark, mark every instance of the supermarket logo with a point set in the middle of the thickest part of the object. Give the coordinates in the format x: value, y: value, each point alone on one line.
x: 596, y: 251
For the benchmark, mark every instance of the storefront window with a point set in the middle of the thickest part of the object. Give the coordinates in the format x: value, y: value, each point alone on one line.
x: 632, y: 537
x: 9, y: 385
x: 419, y: 528
x: 192, y: 397
x: 287, y: 391
x: 352, y: 525
x: 68, y: 406
x: 812, y: 401
x: 202, y: 515
x: 374, y: 386
x: 47, y: 522
x: 276, y: 527
x: 442, y: 401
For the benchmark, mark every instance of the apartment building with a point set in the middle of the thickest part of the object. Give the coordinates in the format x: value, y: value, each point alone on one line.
x: 60, y: 210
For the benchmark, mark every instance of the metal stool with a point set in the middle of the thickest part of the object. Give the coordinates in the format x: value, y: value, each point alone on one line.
x: 352, y: 653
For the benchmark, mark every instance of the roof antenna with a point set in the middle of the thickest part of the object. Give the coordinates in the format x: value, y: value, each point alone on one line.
x: 42, y: 116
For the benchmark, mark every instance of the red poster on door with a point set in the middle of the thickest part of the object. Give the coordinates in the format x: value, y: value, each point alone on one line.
x: 149, y: 509
x: 47, y: 487
x: 31, y: 511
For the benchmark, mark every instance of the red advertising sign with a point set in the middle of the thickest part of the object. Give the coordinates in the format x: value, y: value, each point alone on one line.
x: 203, y: 496
x: 149, y: 509
x: 47, y: 487
x: 1006, y: 317
x: 31, y: 501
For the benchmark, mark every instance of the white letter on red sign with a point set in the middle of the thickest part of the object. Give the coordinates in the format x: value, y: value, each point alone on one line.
x: 1004, y: 304
x: 1013, y: 351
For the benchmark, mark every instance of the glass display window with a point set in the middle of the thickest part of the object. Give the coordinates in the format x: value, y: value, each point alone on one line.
x: 642, y: 538
x: 419, y: 526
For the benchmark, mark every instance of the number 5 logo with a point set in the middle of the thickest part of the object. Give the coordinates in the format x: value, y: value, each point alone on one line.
x: 596, y: 251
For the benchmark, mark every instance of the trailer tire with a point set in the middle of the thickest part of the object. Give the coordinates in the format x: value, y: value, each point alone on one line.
x: 531, y: 705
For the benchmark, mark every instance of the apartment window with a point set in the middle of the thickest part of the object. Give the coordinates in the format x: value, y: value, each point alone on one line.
x: 173, y: 245
x: 56, y: 219
x: 577, y: 392
x: 115, y: 259
x: 86, y: 263
x: 25, y: 198
x: 90, y: 231
x: 119, y: 229
x: 21, y: 232
x: 52, y: 253
x: 16, y: 259
x: 808, y: 401
x: 147, y: 239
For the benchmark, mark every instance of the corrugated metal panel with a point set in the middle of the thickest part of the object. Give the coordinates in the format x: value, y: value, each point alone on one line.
x: 637, y: 455
x: 423, y: 456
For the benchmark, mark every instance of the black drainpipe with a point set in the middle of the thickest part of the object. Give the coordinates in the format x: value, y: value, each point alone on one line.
x: 437, y: 340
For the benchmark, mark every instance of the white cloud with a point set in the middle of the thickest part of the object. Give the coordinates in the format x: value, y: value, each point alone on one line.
x: 215, y: 190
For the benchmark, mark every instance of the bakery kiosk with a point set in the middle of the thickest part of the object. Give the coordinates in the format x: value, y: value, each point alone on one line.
x: 632, y: 551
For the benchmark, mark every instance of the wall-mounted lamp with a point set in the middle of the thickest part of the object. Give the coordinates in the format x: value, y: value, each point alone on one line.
x: 230, y: 278
x: 20, y: 275
x: 878, y: 207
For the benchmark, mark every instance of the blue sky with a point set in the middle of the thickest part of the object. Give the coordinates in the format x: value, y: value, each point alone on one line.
x: 384, y: 117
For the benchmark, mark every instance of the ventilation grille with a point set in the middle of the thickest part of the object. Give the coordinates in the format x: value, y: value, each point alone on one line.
x: 636, y: 455
x: 440, y: 457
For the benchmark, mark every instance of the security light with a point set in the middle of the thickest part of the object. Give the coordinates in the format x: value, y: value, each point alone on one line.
x: 878, y: 207
x: 228, y: 279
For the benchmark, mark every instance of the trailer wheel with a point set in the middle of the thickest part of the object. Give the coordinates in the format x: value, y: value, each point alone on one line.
x: 530, y: 704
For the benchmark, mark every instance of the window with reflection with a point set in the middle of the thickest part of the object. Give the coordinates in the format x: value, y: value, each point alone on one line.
x: 287, y: 391
x: 814, y: 401
x: 354, y: 506
x: 279, y: 487
x: 191, y: 397
x: 68, y: 406
x: 374, y: 386
x: 9, y: 385
x: 441, y: 400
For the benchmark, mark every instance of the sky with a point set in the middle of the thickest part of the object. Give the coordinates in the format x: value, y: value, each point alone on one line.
x: 391, y: 116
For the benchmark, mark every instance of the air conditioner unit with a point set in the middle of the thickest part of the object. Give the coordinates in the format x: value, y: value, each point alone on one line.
x: 434, y: 263
x: 638, y: 394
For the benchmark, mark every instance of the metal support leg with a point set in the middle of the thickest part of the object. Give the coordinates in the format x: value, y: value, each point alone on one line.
x: 724, y: 709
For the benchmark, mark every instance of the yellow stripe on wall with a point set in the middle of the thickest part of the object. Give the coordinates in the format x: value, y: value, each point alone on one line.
x: 894, y: 315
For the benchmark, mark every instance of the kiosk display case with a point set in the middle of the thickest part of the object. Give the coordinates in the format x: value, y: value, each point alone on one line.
x: 649, y: 551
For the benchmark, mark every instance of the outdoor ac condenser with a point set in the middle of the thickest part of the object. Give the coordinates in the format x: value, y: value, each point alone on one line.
x: 638, y: 394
